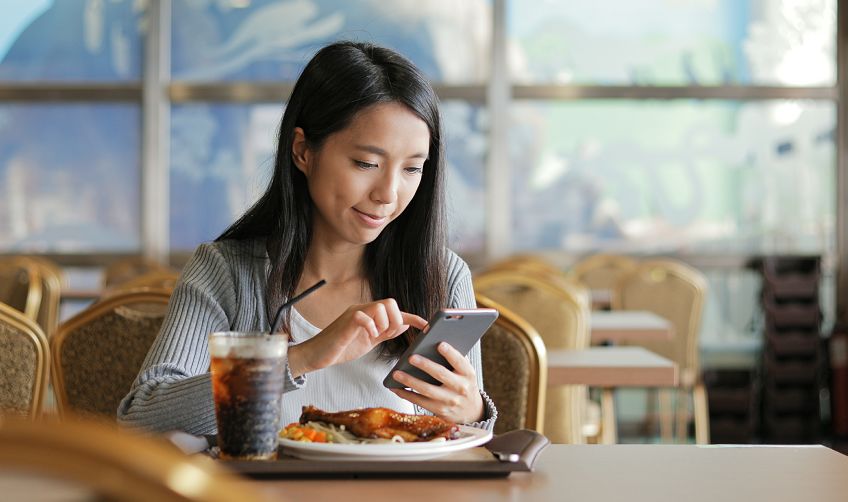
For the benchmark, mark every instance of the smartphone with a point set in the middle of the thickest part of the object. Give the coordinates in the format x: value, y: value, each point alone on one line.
x: 461, y: 328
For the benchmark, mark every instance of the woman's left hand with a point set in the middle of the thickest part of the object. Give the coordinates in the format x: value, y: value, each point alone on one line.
x: 458, y: 399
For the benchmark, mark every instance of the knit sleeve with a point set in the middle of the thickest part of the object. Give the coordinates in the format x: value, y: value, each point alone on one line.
x: 173, y: 390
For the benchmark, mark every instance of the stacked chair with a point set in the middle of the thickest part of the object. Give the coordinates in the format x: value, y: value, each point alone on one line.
x: 792, y: 355
x: 734, y: 403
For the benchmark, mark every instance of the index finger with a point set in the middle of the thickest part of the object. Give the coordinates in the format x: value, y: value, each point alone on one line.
x: 459, y: 363
x: 413, y: 320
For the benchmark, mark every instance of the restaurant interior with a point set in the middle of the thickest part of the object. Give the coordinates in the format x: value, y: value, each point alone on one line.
x: 671, y: 284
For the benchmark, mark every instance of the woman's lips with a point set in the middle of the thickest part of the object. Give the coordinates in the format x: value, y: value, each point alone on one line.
x: 371, y: 220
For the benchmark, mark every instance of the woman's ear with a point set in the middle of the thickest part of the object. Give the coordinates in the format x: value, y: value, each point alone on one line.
x: 300, y: 151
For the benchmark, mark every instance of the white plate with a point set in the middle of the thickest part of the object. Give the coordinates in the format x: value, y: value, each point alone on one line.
x: 469, y: 438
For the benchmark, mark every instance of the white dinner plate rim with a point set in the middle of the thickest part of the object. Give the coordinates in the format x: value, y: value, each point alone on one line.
x: 475, y: 437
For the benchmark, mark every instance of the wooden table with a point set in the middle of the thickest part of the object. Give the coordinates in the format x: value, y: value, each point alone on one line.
x: 632, y: 473
x: 608, y: 368
x: 629, y: 325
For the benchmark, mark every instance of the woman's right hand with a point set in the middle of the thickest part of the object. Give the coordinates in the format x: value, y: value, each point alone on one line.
x: 352, y: 335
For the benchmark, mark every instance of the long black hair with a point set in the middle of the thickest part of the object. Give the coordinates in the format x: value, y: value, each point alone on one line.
x: 407, y: 260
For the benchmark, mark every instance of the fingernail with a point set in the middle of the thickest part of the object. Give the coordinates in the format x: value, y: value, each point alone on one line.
x: 397, y: 375
x: 415, y: 359
x: 443, y: 345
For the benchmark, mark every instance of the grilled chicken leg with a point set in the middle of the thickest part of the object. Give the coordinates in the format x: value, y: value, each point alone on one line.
x: 384, y: 423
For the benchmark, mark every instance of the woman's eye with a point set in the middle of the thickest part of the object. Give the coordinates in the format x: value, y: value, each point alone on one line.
x: 364, y: 165
x: 414, y: 170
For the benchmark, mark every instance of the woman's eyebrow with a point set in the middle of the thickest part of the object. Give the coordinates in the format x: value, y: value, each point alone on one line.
x: 379, y: 151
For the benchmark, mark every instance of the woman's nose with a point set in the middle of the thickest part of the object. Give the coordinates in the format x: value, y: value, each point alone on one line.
x: 386, y: 188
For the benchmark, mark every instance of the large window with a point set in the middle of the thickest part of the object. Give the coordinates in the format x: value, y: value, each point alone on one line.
x: 69, y: 166
x: 597, y: 160
x: 681, y: 43
x: 741, y: 177
x: 747, y: 168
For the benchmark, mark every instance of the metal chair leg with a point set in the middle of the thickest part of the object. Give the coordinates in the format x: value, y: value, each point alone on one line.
x: 682, y: 415
x: 665, y: 412
x: 702, y: 417
x: 609, y: 434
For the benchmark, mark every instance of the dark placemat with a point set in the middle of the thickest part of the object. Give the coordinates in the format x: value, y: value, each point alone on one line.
x: 514, y: 451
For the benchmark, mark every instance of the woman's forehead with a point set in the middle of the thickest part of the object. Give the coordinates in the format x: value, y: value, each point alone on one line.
x: 387, y: 128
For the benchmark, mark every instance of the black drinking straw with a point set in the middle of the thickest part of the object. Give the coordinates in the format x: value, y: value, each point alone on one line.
x: 277, y: 318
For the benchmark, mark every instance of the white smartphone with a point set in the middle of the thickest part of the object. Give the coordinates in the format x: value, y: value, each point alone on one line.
x: 461, y: 328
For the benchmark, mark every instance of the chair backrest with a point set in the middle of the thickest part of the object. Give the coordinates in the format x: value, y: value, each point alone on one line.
x: 24, y: 364
x: 20, y: 285
x: 128, y: 268
x: 112, y: 464
x: 602, y: 271
x: 525, y: 262
x: 52, y: 279
x: 97, y: 353
x: 515, y: 370
x: 560, y: 313
x: 161, y: 279
x: 676, y: 292
x: 558, y: 310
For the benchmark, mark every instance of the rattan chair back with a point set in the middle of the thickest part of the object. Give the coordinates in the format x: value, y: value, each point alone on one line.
x: 676, y: 292
x: 602, y: 271
x: 24, y: 364
x: 97, y: 353
x: 515, y: 370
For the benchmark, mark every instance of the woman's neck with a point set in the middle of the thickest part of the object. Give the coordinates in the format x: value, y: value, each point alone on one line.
x: 344, y: 271
x: 337, y: 265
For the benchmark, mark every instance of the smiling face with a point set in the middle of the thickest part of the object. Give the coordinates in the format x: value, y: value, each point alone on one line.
x: 365, y: 175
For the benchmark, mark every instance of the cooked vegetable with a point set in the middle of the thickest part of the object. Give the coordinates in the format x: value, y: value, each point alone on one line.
x: 304, y: 433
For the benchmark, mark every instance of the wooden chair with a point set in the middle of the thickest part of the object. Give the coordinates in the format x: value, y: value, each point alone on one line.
x: 515, y: 370
x: 52, y: 279
x: 527, y: 263
x: 112, y: 464
x: 128, y: 268
x: 602, y: 272
x: 24, y: 364
x: 97, y: 353
x: 20, y: 285
x: 561, y: 316
x: 676, y: 292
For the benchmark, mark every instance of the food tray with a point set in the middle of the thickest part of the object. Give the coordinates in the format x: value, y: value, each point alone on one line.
x: 519, y: 449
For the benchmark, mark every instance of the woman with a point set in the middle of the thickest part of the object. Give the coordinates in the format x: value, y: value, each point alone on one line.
x: 357, y: 199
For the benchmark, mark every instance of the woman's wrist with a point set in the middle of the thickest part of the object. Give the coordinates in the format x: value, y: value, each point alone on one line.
x: 297, y: 361
x: 481, y: 415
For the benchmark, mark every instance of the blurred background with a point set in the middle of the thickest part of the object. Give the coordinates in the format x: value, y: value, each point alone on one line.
x: 704, y: 130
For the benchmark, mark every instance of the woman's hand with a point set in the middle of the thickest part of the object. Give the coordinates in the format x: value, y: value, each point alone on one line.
x: 458, y: 399
x: 352, y: 335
